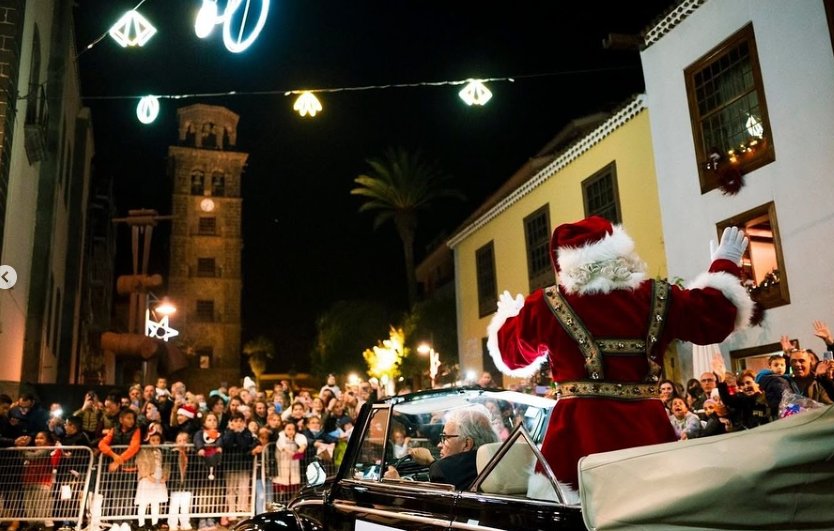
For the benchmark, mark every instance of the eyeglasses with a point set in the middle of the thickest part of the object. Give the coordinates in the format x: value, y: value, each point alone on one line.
x: 444, y: 437
x: 707, y: 379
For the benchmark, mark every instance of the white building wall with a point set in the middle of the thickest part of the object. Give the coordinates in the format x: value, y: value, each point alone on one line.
x: 797, y: 66
x: 21, y: 205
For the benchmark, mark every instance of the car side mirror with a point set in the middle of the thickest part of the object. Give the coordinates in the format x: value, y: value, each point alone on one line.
x: 315, y: 474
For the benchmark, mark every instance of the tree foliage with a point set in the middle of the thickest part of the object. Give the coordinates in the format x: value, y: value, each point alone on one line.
x: 257, y: 352
x: 344, y: 331
x: 400, y: 184
x: 432, y: 321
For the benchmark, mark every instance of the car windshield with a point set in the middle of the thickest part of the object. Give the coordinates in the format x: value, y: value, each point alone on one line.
x: 419, y: 422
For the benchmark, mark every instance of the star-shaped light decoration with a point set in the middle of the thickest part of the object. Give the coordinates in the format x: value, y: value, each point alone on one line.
x: 307, y: 103
x: 160, y: 330
x: 132, y: 30
x: 475, y: 93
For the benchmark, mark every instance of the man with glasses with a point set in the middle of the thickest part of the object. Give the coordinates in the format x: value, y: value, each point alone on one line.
x: 464, y: 432
x: 708, y: 383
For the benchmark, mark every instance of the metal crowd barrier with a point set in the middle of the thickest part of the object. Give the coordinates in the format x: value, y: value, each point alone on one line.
x: 282, y: 475
x: 45, y: 485
x: 196, y: 488
x: 71, y: 487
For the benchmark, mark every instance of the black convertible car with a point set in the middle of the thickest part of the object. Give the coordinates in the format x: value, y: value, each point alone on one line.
x: 360, y: 498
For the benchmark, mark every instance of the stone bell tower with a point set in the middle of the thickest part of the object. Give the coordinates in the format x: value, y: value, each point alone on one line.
x: 205, y: 276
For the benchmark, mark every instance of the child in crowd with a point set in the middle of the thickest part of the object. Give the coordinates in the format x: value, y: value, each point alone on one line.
x: 289, y: 450
x: 207, y: 446
x: 151, y: 490
x: 717, y: 421
x: 207, y: 443
x: 39, y: 467
x: 239, y: 448
x: 345, y: 429
x: 772, y: 381
x: 182, y: 485
x: 319, y: 443
x: 687, y: 425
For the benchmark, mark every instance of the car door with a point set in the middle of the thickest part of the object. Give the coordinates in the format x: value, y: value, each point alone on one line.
x: 498, y: 499
x: 361, y: 500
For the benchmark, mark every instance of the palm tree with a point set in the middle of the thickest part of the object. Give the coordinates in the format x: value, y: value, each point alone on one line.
x: 399, y: 185
x: 258, y: 351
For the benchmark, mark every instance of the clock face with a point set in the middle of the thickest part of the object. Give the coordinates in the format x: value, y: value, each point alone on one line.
x: 207, y: 205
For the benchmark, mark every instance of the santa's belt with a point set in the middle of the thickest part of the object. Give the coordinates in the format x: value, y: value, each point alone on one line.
x: 621, y: 390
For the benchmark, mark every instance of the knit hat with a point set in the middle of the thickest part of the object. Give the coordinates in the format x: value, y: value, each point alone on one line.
x: 187, y: 411
x: 594, y: 256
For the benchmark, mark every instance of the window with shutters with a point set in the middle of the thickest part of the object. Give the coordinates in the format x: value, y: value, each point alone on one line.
x: 600, y: 194
x: 728, y: 111
x: 487, y: 283
x: 537, y: 239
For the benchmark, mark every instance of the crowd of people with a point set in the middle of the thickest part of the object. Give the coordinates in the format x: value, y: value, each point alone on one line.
x: 721, y: 401
x: 149, y: 434
x: 156, y: 438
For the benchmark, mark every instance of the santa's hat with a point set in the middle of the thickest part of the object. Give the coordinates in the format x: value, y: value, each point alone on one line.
x: 594, y: 256
x: 187, y: 411
x: 154, y: 428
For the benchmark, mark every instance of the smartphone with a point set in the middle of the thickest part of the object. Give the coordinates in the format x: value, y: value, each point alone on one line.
x: 828, y: 355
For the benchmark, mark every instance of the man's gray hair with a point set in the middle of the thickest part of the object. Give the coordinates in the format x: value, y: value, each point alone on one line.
x: 474, y: 422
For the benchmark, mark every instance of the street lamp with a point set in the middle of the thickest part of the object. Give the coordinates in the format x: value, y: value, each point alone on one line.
x: 434, y: 360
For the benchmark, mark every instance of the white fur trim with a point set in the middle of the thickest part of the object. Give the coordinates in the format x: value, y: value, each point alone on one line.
x: 729, y: 285
x: 539, y: 487
x: 495, y: 325
x: 601, y: 267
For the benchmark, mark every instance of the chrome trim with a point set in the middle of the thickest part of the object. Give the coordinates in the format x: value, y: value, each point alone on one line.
x: 520, y: 432
x: 474, y: 527
x: 304, y: 503
x: 394, y: 514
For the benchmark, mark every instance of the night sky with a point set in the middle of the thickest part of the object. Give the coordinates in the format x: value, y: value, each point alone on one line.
x: 305, y: 244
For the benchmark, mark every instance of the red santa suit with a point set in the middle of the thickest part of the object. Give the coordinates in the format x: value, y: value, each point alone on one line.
x: 604, y: 330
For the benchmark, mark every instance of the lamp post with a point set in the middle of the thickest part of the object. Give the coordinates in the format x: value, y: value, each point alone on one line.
x: 434, y: 360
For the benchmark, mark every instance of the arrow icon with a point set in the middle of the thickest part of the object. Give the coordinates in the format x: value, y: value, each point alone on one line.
x: 8, y: 277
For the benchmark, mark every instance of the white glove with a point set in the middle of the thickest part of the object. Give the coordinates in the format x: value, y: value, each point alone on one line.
x: 509, y: 307
x: 732, y: 246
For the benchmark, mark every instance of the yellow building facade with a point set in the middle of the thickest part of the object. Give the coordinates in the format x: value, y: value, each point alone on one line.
x: 609, y: 171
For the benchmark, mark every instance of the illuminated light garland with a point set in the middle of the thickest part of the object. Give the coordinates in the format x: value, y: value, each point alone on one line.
x: 148, y: 109
x: 475, y: 93
x: 316, y: 106
x: 754, y: 126
x: 207, y: 18
x: 238, y: 44
x: 160, y: 330
x: 132, y: 30
x: 307, y: 103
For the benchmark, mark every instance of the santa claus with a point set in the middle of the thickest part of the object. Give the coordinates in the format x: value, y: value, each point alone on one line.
x: 604, y: 329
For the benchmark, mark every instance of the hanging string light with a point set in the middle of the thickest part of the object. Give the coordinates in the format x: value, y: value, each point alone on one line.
x: 475, y: 93
x: 132, y: 30
x: 307, y: 103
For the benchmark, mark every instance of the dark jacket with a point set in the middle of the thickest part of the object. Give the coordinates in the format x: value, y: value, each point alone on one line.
x: 458, y: 469
x: 748, y: 411
x: 237, y: 449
